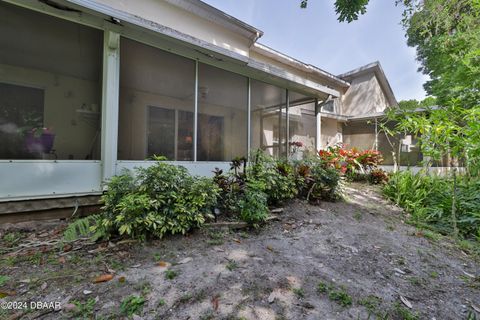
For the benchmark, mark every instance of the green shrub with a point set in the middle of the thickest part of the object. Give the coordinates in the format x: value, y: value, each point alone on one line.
x: 428, y: 199
x: 316, y: 181
x: 253, y: 206
x: 231, y: 191
x: 157, y: 200
x: 277, y: 177
x: 377, y: 176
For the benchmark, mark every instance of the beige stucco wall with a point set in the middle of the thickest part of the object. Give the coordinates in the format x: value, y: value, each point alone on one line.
x: 360, y: 135
x: 183, y: 21
x: 332, y: 132
x: 365, y: 96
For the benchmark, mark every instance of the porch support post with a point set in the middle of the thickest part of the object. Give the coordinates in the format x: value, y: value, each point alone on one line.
x: 287, y: 126
x: 195, y: 114
x: 110, y: 93
x: 318, y: 116
x: 376, y: 134
x: 249, y: 119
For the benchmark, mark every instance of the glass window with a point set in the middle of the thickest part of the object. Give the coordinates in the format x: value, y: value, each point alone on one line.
x: 302, y: 120
x: 268, y: 104
x: 50, y: 87
x: 329, y: 106
x: 157, y: 92
x: 222, y: 119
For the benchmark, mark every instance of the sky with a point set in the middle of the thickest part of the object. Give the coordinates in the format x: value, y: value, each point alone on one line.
x: 314, y: 36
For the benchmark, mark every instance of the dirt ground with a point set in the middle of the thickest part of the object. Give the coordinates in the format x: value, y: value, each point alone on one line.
x: 347, y: 260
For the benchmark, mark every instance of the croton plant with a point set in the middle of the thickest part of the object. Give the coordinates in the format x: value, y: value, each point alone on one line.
x: 351, y: 161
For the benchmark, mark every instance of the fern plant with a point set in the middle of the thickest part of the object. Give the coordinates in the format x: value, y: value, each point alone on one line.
x: 83, y: 228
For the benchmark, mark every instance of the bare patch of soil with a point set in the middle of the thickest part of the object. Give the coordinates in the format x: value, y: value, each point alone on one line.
x: 347, y: 260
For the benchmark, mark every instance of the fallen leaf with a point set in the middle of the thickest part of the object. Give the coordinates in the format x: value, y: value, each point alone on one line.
x: 67, y: 247
x: 44, y: 286
x: 270, y: 248
x: 271, y: 298
x: 215, y: 303
x: 399, y: 271
x: 186, y: 260
x: 86, y: 292
x: 121, y: 279
x: 237, y: 240
x: 162, y: 264
x: 4, y: 294
x: 61, y: 260
x: 69, y: 307
x: 103, y: 278
x: 406, y: 302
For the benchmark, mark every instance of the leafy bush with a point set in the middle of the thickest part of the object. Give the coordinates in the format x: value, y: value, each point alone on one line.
x: 277, y: 177
x: 160, y: 199
x: 241, y: 195
x: 428, y: 199
x: 317, y: 181
x: 232, y: 187
x: 377, y: 176
x: 253, y: 206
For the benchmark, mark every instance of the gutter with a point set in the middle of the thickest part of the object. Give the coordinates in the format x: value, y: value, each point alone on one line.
x: 280, y: 57
x: 217, y: 16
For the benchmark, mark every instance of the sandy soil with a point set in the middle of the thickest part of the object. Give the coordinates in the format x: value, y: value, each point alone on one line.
x: 366, y: 261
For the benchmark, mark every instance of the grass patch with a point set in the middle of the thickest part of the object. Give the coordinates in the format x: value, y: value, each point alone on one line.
x: 84, y: 310
x: 132, y: 305
x: 371, y: 303
x: 185, y: 298
x: 299, y: 292
x: 170, y: 274
x: 3, y: 280
x: 216, y: 238
x: 11, y: 238
x: 401, y: 312
x: 357, y: 216
x: 231, y: 265
x: 336, y: 294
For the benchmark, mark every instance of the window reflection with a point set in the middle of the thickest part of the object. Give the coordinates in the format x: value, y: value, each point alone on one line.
x: 268, y: 104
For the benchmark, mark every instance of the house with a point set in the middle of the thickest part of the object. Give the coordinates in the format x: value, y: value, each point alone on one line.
x: 91, y: 87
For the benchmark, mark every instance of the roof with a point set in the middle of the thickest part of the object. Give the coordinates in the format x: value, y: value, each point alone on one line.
x: 217, y: 16
x: 283, y: 58
x: 382, y: 113
x: 377, y: 69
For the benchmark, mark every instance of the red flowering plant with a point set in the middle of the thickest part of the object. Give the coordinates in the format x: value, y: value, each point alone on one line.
x: 295, y: 145
x: 351, y: 162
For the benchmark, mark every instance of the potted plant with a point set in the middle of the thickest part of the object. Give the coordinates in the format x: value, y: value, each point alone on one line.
x: 39, y: 140
x: 296, y: 153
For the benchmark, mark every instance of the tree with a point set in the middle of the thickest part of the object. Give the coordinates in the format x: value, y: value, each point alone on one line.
x: 347, y: 10
x: 446, y: 35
